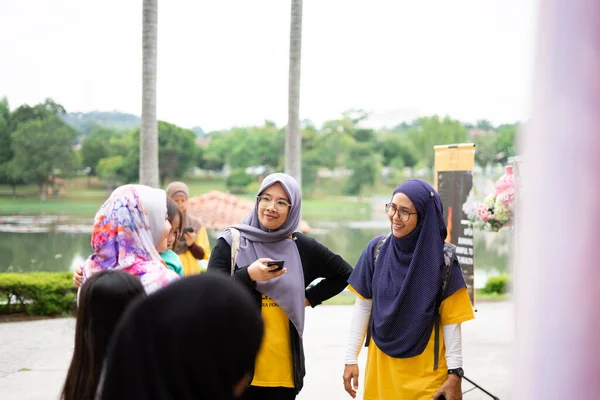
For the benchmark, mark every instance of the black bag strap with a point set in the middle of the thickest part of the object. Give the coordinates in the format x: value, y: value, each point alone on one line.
x: 449, y: 253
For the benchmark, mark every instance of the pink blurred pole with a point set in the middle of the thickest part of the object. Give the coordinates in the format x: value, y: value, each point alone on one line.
x: 557, y: 265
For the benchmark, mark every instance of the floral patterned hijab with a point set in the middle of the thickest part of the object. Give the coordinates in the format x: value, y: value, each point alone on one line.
x: 126, y: 230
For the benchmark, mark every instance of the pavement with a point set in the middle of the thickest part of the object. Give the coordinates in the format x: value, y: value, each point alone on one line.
x: 34, y: 355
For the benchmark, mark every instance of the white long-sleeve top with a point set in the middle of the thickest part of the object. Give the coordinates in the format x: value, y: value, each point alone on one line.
x: 359, y: 326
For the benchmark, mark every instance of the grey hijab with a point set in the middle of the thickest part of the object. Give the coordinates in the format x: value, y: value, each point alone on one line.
x: 257, y: 242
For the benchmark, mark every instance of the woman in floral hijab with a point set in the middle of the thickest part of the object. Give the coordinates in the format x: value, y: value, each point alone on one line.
x: 130, y: 230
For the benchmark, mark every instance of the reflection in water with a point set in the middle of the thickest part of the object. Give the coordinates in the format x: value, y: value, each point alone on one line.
x: 56, y: 250
x: 48, y: 251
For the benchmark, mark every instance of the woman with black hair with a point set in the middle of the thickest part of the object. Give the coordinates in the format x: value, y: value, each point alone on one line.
x: 195, y: 339
x: 102, y: 301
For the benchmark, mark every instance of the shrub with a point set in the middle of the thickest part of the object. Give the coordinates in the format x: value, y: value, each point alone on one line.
x: 497, y: 284
x: 237, y: 182
x: 38, y: 293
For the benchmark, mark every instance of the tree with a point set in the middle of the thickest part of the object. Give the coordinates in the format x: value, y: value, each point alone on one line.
x: 507, y: 141
x: 177, y: 153
x: 42, y: 149
x: 310, y: 171
x: 485, y: 148
x: 484, y: 125
x: 6, y: 153
x: 40, y: 111
x: 112, y: 170
x: 96, y: 146
x: 431, y: 131
x: 11, y: 172
x: 334, y: 142
x: 394, y: 147
x: 245, y: 147
x: 5, y: 150
x: 148, y: 166
x: 363, y: 163
x: 293, y: 149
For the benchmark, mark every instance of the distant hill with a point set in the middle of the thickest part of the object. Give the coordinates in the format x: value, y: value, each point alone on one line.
x: 198, y: 131
x: 86, y: 122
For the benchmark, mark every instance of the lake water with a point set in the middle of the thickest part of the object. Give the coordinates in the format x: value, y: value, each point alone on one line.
x: 59, y: 243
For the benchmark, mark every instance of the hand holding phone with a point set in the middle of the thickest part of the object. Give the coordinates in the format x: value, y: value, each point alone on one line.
x: 188, y: 229
x: 279, y: 264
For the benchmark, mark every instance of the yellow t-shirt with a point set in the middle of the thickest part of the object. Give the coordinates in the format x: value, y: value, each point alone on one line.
x: 188, y: 261
x: 389, y: 378
x: 273, y: 366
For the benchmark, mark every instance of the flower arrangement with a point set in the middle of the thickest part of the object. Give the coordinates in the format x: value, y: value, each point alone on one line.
x: 497, y: 208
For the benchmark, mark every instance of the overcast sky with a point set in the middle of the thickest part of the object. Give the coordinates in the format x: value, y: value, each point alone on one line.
x: 224, y: 63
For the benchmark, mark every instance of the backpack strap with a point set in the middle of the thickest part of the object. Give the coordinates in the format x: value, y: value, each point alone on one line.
x: 376, y: 252
x: 449, y: 253
x: 235, y: 248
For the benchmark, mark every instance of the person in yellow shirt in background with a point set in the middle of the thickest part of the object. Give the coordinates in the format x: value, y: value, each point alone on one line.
x: 193, y: 244
x: 409, y: 356
x: 267, y: 234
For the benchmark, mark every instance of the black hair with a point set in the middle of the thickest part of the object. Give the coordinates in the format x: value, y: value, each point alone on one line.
x: 103, y: 299
x: 172, y: 212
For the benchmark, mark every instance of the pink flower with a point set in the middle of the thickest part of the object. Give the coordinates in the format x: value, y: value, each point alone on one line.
x: 507, y: 197
x: 483, y: 212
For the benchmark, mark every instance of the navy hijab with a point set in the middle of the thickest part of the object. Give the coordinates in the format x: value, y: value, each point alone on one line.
x: 407, y: 279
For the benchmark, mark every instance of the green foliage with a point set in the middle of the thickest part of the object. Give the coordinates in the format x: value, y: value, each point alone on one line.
x: 497, y: 284
x: 485, y: 148
x: 507, y: 141
x: 484, y: 125
x: 8, y: 173
x: 111, y: 168
x: 246, y: 147
x: 177, y: 152
x: 495, y: 146
x: 43, y: 147
x: 364, y: 135
x: 334, y: 142
x: 432, y: 131
x: 34, y: 144
x: 396, y: 146
x: 40, y: 293
x: 5, y: 140
x: 363, y: 163
x: 199, y: 157
x: 310, y: 170
x: 40, y: 111
x: 238, y: 181
x: 96, y: 147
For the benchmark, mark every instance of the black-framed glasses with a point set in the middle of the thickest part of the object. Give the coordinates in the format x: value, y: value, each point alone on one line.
x: 391, y: 210
x: 267, y: 201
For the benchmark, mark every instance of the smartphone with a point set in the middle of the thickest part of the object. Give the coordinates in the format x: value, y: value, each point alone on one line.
x: 279, y: 264
x: 188, y: 229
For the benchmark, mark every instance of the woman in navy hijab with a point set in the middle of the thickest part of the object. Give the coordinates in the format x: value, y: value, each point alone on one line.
x: 399, y: 293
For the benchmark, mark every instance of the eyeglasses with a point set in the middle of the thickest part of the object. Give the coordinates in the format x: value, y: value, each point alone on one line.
x: 279, y: 205
x: 391, y: 210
